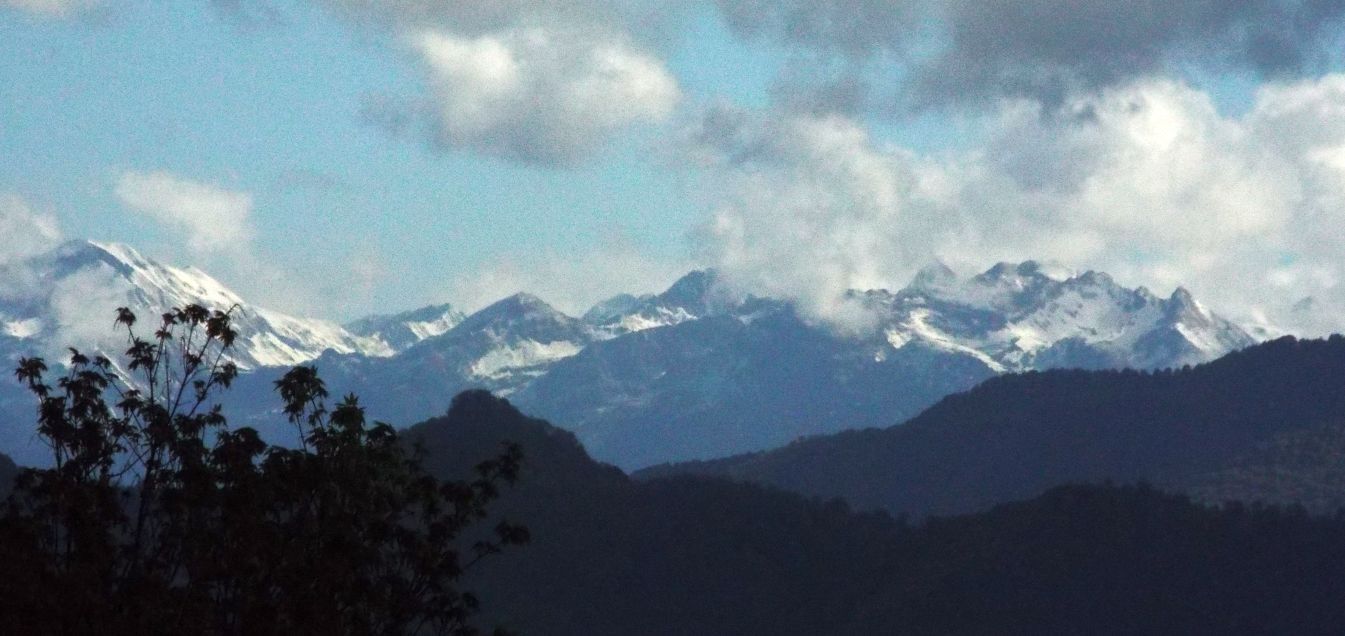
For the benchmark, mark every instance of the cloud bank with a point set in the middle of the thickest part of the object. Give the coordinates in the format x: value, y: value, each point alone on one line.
x: 1147, y: 181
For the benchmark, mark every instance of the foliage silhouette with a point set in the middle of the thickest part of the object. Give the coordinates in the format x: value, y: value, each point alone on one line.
x: 155, y: 517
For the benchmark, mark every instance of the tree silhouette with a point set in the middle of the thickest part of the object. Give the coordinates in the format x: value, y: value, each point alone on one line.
x: 156, y: 517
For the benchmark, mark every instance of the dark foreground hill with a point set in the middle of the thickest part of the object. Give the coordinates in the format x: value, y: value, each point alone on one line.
x: 694, y: 555
x: 1264, y: 423
x: 8, y: 471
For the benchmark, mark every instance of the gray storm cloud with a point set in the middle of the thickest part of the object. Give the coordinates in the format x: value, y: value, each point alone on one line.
x: 975, y: 51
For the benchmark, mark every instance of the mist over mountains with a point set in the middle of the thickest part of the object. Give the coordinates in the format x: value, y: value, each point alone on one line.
x: 698, y: 371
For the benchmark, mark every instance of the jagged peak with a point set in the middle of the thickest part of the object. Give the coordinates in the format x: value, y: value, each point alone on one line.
x: 138, y: 270
x: 1029, y: 270
x: 526, y: 301
x: 120, y: 251
x: 404, y: 329
x: 691, y: 288
x: 610, y: 308
x: 1094, y: 277
x: 935, y: 275
x: 428, y: 312
x: 76, y: 254
x: 999, y: 270
x: 518, y: 306
x: 146, y: 285
x: 422, y: 314
x: 1182, y: 305
x: 1053, y: 270
x: 1024, y: 273
x: 1182, y: 296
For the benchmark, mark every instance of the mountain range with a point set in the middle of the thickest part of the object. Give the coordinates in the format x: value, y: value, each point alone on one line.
x: 698, y: 371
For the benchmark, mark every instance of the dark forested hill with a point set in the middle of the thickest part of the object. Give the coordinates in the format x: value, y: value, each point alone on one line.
x: 688, y: 556
x: 8, y: 471
x: 696, y: 555
x: 1262, y: 423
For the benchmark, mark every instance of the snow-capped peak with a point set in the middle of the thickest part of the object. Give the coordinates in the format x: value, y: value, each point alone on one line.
x: 507, y: 343
x: 401, y: 330
x: 66, y: 297
x: 521, y: 308
x: 1029, y: 315
x: 698, y: 294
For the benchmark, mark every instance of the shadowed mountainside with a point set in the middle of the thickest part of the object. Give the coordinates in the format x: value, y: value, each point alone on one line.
x: 1250, y: 425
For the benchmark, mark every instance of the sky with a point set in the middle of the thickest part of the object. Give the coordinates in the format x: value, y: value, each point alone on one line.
x: 335, y: 158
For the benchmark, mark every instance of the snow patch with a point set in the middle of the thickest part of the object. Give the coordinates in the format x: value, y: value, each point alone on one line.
x: 502, y: 361
x: 432, y: 328
x: 651, y: 318
x: 1203, y: 341
x: 919, y: 327
x: 896, y: 338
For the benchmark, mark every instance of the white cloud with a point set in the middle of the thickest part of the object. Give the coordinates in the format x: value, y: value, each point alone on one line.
x: 1147, y: 181
x: 813, y: 208
x: 27, y: 231
x: 538, y: 94
x: 212, y: 218
x: 215, y: 225
x: 50, y: 8
x: 536, y: 82
x: 80, y: 304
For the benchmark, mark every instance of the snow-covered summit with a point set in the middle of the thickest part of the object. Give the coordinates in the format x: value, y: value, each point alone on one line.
x: 1030, y: 316
x: 1011, y: 317
x: 401, y: 330
x: 504, y: 344
x: 698, y: 294
x: 67, y: 296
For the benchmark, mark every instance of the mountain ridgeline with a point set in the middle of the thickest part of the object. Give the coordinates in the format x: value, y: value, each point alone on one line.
x: 696, y: 555
x: 699, y: 371
x: 1265, y: 423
